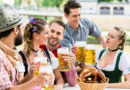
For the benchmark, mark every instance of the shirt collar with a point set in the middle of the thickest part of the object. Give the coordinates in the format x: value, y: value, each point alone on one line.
x: 8, y: 50
x: 71, y: 30
x: 44, y: 47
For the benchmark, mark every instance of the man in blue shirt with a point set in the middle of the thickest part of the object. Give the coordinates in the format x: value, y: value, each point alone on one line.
x: 78, y: 29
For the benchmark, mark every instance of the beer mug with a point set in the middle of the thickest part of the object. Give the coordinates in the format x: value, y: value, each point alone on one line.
x: 63, y: 65
x: 90, y: 55
x: 80, y: 55
x: 39, y: 61
x: 49, y: 70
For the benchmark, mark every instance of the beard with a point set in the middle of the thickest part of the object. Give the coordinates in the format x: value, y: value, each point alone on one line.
x: 52, y: 43
x: 18, y: 40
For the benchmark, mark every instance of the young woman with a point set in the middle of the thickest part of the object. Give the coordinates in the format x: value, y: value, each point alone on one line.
x: 35, y: 34
x: 113, y: 61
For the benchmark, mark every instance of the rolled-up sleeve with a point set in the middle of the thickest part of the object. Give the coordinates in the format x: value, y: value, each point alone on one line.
x: 94, y: 30
x: 124, y: 64
x: 71, y: 76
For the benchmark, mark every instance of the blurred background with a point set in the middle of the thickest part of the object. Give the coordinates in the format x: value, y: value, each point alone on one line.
x: 105, y: 13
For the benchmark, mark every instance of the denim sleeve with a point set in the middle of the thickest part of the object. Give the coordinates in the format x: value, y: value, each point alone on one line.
x: 66, y: 42
x: 94, y: 30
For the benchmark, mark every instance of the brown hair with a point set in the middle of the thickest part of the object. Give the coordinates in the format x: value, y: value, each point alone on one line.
x: 35, y: 25
x: 61, y: 23
x: 122, y: 37
x: 71, y: 4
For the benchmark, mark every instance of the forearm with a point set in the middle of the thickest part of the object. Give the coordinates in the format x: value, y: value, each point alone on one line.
x: 103, y: 44
x: 25, y: 79
x: 60, y: 82
x: 125, y: 84
x: 102, y: 41
x: 71, y: 76
x: 25, y: 86
x: 58, y: 78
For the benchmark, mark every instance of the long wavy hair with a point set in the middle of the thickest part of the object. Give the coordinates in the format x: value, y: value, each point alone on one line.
x: 34, y: 25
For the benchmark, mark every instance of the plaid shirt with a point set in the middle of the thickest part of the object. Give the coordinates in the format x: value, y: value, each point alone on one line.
x: 7, y: 77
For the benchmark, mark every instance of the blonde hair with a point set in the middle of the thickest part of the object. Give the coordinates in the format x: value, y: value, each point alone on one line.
x: 122, y: 37
x: 36, y: 26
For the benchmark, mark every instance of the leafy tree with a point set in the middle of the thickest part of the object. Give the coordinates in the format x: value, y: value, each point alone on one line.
x: 17, y: 2
x: 53, y: 3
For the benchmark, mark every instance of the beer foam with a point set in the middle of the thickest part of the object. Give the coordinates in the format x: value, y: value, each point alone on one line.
x: 80, y: 43
x: 46, y: 68
x: 40, y: 59
x: 90, y: 46
x: 63, y: 50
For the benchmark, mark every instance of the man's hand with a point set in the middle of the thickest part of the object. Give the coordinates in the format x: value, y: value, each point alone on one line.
x: 74, y: 49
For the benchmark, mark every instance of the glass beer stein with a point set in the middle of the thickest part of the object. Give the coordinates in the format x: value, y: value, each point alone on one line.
x: 39, y: 61
x: 80, y: 55
x: 48, y: 69
x: 63, y: 65
x: 90, y: 55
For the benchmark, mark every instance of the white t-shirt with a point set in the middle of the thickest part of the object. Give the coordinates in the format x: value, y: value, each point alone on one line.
x: 124, y: 63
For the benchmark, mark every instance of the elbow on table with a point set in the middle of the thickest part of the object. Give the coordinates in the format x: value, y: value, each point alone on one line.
x: 72, y: 84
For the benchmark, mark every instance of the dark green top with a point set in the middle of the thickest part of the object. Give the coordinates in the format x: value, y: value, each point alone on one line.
x: 114, y: 76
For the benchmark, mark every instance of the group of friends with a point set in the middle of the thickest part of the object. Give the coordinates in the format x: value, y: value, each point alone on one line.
x: 42, y: 40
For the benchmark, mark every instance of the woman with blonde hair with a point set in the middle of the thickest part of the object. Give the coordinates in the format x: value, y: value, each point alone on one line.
x: 113, y: 61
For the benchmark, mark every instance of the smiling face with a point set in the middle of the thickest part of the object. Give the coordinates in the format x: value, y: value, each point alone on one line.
x: 73, y: 17
x: 42, y: 37
x: 56, y: 34
x: 113, y: 40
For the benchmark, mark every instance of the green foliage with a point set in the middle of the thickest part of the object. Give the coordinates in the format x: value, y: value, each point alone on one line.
x: 17, y: 2
x: 1, y: 1
x: 92, y: 40
x: 52, y: 3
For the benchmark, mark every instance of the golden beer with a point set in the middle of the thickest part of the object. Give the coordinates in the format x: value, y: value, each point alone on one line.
x: 48, y: 88
x: 63, y: 65
x: 90, y: 55
x: 80, y: 55
x: 39, y: 61
x: 48, y: 69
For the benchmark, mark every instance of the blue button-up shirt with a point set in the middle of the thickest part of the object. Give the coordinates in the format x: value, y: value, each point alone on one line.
x: 86, y: 28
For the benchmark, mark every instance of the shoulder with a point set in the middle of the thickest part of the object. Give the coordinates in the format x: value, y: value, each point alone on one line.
x: 51, y: 54
x: 125, y: 57
x: 85, y: 21
x: 20, y: 57
x: 99, y: 50
x: 2, y: 55
x: 124, y: 63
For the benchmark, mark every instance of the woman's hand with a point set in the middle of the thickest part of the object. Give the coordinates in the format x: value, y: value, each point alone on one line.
x: 51, y: 79
x: 33, y: 68
x: 58, y: 87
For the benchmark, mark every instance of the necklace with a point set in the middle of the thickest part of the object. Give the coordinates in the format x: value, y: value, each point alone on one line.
x: 35, y: 51
x: 113, y: 50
